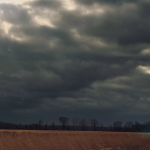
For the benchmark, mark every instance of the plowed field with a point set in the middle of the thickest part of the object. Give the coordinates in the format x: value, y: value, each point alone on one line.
x: 72, y: 140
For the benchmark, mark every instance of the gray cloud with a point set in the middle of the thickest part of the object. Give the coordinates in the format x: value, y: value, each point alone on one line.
x: 45, y: 4
x: 79, y: 58
x: 88, y: 2
x: 13, y: 14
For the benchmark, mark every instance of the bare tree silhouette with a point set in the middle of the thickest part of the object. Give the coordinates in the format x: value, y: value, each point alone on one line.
x: 53, y: 126
x: 94, y: 124
x: 75, y: 122
x: 63, y: 121
x: 83, y: 124
x: 129, y: 125
x: 117, y: 125
x: 40, y: 124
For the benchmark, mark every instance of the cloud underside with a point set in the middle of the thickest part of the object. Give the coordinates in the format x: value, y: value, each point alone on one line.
x: 75, y: 56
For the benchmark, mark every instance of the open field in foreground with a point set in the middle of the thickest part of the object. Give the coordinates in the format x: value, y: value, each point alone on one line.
x: 72, y: 140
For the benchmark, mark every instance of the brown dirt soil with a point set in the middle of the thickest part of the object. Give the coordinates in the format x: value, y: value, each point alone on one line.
x: 72, y: 140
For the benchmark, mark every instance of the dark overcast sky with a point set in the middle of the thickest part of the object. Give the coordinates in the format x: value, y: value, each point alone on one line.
x: 74, y: 58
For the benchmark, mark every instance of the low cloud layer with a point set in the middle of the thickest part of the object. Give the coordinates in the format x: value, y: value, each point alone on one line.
x: 87, y: 59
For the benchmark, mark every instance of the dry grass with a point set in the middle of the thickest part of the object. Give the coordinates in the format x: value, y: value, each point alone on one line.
x: 72, y: 140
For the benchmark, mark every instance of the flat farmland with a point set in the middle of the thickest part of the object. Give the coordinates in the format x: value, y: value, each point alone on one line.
x: 72, y: 140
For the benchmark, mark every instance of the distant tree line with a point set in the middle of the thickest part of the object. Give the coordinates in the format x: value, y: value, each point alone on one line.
x: 81, y: 125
